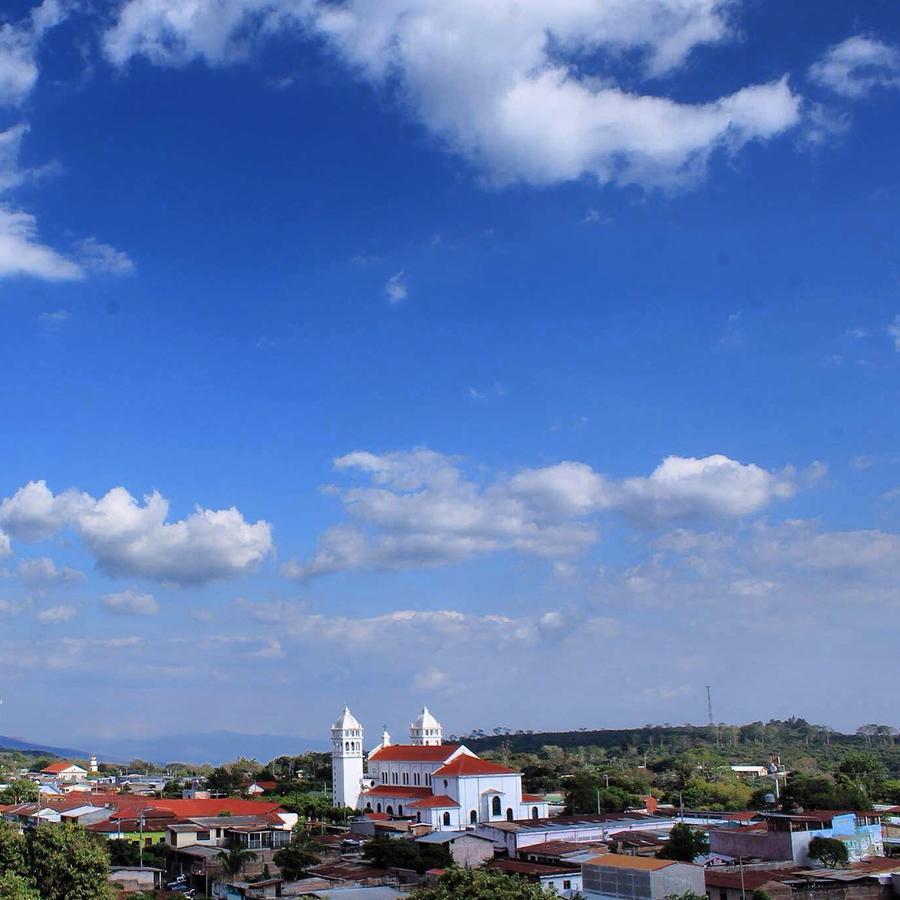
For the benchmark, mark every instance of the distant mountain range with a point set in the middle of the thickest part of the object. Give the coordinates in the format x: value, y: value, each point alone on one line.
x: 12, y: 743
x: 214, y: 747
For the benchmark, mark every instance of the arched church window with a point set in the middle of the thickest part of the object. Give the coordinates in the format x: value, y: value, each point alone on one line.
x: 347, y: 745
x: 393, y: 777
x: 406, y: 777
x: 509, y: 814
x: 368, y: 807
x: 418, y: 817
x: 446, y: 819
x: 446, y: 783
x: 400, y: 809
x: 473, y: 817
x: 377, y: 807
x: 534, y: 812
x: 389, y: 810
x: 495, y: 806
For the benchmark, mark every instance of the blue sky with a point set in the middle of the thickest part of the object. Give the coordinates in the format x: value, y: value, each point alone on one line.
x: 536, y: 362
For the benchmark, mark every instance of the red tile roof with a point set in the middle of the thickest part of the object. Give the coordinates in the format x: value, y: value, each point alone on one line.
x: 438, y: 801
x: 414, y: 753
x: 396, y: 790
x: 533, y: 798
x: 471, y: 765
x: 57, y: 768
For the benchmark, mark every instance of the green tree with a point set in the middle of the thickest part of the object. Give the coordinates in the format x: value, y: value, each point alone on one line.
x: 760, y: 894
x: 16, y: 887
x: 234, y: 859
x: 829, y: 851
x: 862, y: 770
x: 405, y: 854
x: 22, y: 790
x: 67, y: 863
x: 12, y: 850
x: 481, y: 884
x: 684, y: 844
x: 298, y: 856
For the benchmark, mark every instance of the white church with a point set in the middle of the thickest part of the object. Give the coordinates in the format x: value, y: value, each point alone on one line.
x: 443, y: 785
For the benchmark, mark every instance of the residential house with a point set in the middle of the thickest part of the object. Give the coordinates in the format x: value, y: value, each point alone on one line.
x: 565, y: 879
x: 467, y: 850
x: 64, y: 771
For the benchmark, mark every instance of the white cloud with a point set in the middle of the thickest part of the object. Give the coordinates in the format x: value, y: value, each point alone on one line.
x: 40, y: 573
x: 441, y: 627
x: 431, y: 679
x: 893, y: 331
x: 131, y: 603
x: 54, y: 319
x: 18, y: 47
x: 5, y: 548
x: 129, y: 538
x: 395, y: 288
x: 713, y: 487
x: 856, y: 66
x: 97, y: 257
x: 56, y: 615
x: 509, y: 86
x: 422, y: 510
x: 21, y: 252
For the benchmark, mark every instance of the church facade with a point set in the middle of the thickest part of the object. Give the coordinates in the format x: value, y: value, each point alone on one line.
x: 443, y: 785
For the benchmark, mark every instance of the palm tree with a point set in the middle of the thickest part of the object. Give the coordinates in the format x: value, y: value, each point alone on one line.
x: 234, y: 859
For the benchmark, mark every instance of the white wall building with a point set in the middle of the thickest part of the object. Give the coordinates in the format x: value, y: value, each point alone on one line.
x: 346, y: 759
x: 443, y: 785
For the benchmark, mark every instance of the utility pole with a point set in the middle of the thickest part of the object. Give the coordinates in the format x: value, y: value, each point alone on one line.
x: 712, y: 723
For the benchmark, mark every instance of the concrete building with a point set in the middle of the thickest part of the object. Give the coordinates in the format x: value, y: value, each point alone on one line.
x: 564, y: 878
x: 781, y: 837
x: 614, y: 877
x: 64, y: 771
x: 468, y: 850
x: 346, y: 759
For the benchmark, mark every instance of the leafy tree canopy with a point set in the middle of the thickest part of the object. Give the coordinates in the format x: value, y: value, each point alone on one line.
x: 481, y: 884
x: 684, y: 844
x: 829, y: 851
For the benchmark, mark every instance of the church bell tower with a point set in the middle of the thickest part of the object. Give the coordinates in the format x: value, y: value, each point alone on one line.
x: 346, y: 759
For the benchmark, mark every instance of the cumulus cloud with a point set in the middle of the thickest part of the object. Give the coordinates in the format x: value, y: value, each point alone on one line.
x: 131, y: 603
x: 856, y: 66
x: 40, y: 573
x: 18, y: 48
x: 21, y: 251
x: 421, y: 509
x: 57, y: 615
x: 512, y: 87
x: 98, y: 257
x: 440, y: 627
x: 129, y: 538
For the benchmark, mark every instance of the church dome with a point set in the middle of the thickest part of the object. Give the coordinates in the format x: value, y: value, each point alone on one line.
x: 345, y: 721
x: 425, y: 720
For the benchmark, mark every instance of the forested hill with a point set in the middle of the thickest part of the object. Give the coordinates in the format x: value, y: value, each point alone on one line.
x: 795, y: 740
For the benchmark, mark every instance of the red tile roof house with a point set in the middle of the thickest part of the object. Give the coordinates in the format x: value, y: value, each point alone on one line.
x: 64, y: 771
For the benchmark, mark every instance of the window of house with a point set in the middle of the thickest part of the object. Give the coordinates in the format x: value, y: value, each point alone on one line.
x: 400, y: 809
x: 567, y: 885
x: 534, y: 812
x: 446, y: 819
x: 495, y: 806
x: 202, y: 835
x: 446, y: 783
